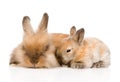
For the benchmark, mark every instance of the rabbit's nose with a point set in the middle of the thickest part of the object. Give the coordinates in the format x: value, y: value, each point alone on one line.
x: 34, y: 60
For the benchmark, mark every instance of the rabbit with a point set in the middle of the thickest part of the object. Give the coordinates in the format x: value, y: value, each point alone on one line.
x: 35, y: 51
x: 76, y: 51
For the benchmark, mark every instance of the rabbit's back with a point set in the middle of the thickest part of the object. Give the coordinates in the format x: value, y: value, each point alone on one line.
x: 93, y: 50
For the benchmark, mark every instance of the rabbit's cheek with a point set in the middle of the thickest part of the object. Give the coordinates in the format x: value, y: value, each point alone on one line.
x: 67, y: 57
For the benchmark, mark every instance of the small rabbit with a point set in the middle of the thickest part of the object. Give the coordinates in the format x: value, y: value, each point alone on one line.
x: 36, y: 50
x: 77, y: 52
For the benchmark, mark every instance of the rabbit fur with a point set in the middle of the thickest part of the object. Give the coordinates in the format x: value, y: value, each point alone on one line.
x: 78, y: 52
x: 43, y: 50
x: 35, y: 51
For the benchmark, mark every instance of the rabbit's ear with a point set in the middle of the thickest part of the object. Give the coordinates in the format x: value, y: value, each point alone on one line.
x: 43, y: 24
x: 27, y: 26
x: 72, y: 30
x: 79, y: 36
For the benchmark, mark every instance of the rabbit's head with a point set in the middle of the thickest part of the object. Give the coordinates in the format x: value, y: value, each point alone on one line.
x: 35, y: 44
x: 66, y: 52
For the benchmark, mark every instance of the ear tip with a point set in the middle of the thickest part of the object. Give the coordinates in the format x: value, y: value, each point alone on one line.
x: 73, y: 27
x: 45, y: 15
x: 26, y: 18
x: 82, y: 29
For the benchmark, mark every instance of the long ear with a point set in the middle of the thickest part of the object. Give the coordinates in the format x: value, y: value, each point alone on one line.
x: 43, y: 24
x: 79, y: 35
x: 27, y: 26
x: 72, y: 31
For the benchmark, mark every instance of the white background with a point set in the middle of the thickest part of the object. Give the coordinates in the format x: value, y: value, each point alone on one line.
x: 100, y: 18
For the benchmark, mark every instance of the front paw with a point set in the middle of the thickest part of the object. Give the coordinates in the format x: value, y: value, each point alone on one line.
x: 13, y: 63
x: 98, y: 64
x: 78, y: 65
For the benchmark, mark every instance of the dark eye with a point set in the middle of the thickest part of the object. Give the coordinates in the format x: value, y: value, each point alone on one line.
x: 68, y: 50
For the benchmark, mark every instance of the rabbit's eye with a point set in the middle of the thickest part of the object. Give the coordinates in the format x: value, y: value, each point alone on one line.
x: 69, y: 50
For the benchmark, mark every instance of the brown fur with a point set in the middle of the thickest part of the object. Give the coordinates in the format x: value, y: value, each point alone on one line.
x: 56, y: 38
x: 83, y: 53
x: 36, y: 50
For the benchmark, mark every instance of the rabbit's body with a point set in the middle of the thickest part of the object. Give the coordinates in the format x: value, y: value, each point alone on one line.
x: 20, y: 59
x: 91, y: 53
x: 36, y: 50
x: 79, y: 52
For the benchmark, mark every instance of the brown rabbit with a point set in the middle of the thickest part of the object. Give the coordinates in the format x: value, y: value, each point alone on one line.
x: 77, y: 52
x: 36, y: 50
